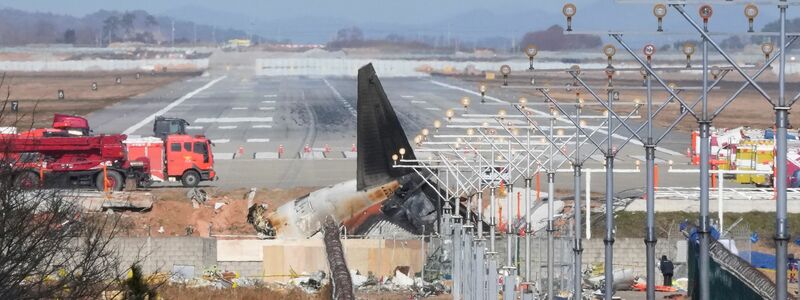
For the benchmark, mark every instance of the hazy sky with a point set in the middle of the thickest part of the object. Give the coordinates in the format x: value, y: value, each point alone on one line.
x: 405, y: 11
x: 318, y: 20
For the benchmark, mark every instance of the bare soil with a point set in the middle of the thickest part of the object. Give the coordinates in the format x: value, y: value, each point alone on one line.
x: 37, y: 93
x: 174, y: 212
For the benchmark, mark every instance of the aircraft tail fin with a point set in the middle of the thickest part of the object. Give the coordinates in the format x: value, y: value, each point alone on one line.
x: 379, y: 133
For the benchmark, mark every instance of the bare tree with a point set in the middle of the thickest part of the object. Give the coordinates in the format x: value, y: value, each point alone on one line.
x: 49, y: 248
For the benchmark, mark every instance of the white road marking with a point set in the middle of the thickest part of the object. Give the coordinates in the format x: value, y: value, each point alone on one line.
x: 194, y: 127
x: 258, y: 140
x: 270, y: 96
x: 262, y: 126
x: 432, y: 108
x: 149, y: 119
x: 268, y: 101
x: 233, y: 120
x: 340, y: 98
x: 267, y: 108
x: 221, y: 141
x: 239, y: 108
x: 541, y: 113
x: 228, y: 127
x: 407, y: 96
x: 418, y: 101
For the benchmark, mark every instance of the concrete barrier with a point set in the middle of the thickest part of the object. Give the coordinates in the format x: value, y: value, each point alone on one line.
x: 104, y: 65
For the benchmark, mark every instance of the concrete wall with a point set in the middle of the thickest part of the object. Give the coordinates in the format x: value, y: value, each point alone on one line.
x: 163, y: 254
x: 628, y: 253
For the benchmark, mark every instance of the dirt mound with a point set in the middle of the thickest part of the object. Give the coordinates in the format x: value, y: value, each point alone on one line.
x: 225, y: 212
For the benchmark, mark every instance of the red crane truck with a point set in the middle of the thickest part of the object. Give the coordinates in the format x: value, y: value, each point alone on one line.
x: 66, y: 156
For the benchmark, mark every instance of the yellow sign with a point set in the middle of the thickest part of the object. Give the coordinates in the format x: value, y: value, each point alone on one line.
x: 489, y: 75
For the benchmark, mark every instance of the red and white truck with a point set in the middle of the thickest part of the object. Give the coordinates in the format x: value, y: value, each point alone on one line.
x: 173, y: 154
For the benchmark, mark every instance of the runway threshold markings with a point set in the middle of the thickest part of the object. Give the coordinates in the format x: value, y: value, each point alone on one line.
x: 541, y: 113
x: 234, y: 120
x: 340, y: 98
x: 149, y: 119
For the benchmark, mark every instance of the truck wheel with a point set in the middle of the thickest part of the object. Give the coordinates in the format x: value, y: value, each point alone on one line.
x: 190, y: 179
x: 27, y: 180
x: 115, y: 181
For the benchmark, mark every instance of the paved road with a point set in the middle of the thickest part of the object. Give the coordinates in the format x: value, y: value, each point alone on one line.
x: 249, y: 117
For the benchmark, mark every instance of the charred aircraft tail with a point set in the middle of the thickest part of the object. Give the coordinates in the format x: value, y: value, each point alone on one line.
x: 379, y: 133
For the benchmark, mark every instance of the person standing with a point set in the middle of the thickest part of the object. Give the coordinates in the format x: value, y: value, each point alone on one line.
x: 667, y: 268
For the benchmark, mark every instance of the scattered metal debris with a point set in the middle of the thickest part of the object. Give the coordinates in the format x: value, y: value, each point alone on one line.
x: 257, y: 216
x: 197, y: 196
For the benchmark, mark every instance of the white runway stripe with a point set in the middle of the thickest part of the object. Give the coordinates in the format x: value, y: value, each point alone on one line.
x: 407, y: 96
x: 194, y: 127
x: 239, y: 108
x: 220, y: 141
x: 258, y: 140
x: 268, y: 101
x: 340, y: 98
x: 228, y: 127
x: 267, y: 108
x: 418, y: 101
x: 432, y: 108
x: 270, y: 96
x: 262, y: 126
x: 233, y: 120
x: 163, y: 111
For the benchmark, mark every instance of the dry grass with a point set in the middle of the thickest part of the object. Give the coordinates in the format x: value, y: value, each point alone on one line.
x: 39, y: 92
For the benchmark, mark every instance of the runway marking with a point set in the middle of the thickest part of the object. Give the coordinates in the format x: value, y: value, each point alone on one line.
x: 407, y: 96
x: 233, y: 120
x: 262, y: 126
x: 268, y: 101
x: 258, y: 140
x: 340, y: 98
x: 541, y: 113
x: 149, y: 119
x: 239, y: 108
x: 221, y: 141
x: 432, y: 108
x: 418, y: 101
x: 271, y: 96
x: 267, y: 108
x: 194, y: 127
x: 228, y: 127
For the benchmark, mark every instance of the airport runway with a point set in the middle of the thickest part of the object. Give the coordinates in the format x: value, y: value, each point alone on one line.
x: 252, y: 119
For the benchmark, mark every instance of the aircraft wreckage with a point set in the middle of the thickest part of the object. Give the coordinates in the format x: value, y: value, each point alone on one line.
x: 381, y: 200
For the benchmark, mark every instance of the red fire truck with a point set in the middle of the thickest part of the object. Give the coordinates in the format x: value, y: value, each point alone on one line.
x: 173, y: 154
